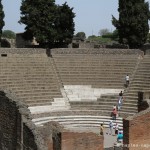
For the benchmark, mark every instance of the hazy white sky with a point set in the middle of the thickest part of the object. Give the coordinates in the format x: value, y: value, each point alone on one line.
x: 91, y: 15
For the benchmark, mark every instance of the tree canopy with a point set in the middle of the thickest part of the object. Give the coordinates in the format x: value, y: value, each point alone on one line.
x: 8, y: 34
x: 132, y: 24
x: 2, y: 15
x: 81, y: 35
x: 47, y: 22
x: 103, y: 31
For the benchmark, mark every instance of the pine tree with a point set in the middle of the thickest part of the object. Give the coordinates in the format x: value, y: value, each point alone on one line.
x: 2, y: 23
x: 64, y: 24
x: 132, y: 24
x: 46, y: 21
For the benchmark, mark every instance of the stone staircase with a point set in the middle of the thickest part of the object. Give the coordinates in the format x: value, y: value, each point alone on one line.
x: 140, y: 82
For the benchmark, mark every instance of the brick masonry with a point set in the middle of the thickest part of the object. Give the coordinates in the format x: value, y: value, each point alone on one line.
x: 16, y: 129
x: 137, y: 131
x: 81, y: 141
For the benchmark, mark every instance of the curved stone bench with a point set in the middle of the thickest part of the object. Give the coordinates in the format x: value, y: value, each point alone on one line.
x: 79, y: 121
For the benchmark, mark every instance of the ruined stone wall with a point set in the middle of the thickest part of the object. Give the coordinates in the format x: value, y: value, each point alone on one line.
x: 137, y: 131
x: 81, y: 141
x: 22, y: 51
x: 21, y: 42
x: 16, y: 129
x: 96, y: 51
x: 9, y: 118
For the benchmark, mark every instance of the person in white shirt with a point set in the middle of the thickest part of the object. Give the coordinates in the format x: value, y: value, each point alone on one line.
x: 127, y: 80
x: 116, y: 128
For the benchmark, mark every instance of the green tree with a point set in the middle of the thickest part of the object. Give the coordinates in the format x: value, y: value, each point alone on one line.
x: 64, y: 24
x: 2, y: 15
x: 132, y: 24
x: 8, y: 34
x: 47, y: 22
x: 38, y: 16
x: 103, y: 32
x: 81, y: 35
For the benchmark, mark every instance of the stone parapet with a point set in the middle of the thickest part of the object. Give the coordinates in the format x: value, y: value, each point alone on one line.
x: 22, y: 51
x: 96, y: 51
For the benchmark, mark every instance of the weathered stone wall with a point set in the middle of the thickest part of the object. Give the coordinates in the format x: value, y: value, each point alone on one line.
x: 96, y: 51
x: 8, y: 123
x: 5, y: 42
x: 23, y: 51
x: 51, y: 133
x: 21, y: 42
x: 137, y: 131
x: 36, y: 51
x: 16, y: 129
x: 81, y: 141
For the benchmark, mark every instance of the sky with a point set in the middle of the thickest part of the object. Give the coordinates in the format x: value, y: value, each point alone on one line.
x: 91, y: 15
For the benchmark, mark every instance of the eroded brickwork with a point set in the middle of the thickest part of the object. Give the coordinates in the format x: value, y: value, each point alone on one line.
x: 17, y: 132
x: 137, y: 131
x: 8, y: 123
x: 81, y: 141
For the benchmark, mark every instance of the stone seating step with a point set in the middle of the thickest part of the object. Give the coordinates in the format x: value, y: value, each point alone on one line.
x: 96, y: 67
x: 38, y: 93
x: 95, y: 84
x: 39, y: 100
x: 29, y: 85
x: 38, y: 104
x: 34, y: 97
x: 139, y: 87
x: 95, y: 77
x: 93, y: 62
x: 12, y: 81
x: 128, y: 103
x: 81, y: 122
x: 90, y: 82
x: 25, y: 87
x: 78, y: 112
x: 92, y: 72
x: 140, y: 80
x: 104, y: 108
x: 45, y: 109
x: 93, y: 59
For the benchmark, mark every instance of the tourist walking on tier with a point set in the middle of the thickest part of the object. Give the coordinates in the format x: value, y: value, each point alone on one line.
x: 121, y: 95
x: 119, y: 104
x: 114, y: 114
x: 110, y: 127
x: 127, y: 80
x: 120, y: 136
x: 114, y: 107
x: 102, y: 129
x: 116, y: 129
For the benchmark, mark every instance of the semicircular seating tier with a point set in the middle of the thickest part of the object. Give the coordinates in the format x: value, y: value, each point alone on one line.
x: 75, y: 82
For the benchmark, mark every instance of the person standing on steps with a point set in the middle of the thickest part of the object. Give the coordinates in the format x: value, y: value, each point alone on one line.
x: 121, y: 95
x: 110, y: 127
x: 102, y: 129
x: 116, y: 129
x: 119, y: 104
x: 127, y: 80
